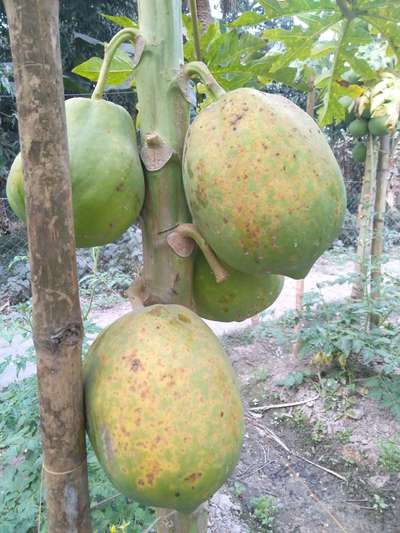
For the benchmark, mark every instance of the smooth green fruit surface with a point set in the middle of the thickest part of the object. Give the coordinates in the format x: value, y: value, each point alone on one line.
x: 239, y: 297
x: 262, y: 183
x: 106, y: 172
x: 359, y: 152
x: 377, y: 126
x: 358, y: 128
x: 163, y: 410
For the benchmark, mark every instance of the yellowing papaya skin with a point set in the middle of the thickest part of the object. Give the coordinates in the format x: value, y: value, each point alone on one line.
x: 239, y: 297
x: 163, y: 410
x: 262, y: 184
x: 106, y: 173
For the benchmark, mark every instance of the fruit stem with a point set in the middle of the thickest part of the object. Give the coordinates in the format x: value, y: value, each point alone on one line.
x: 127, y: 34
x: 190, y: 231
x: 198, y: 69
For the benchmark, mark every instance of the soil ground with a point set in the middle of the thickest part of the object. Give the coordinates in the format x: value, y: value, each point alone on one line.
x: 279, y: 443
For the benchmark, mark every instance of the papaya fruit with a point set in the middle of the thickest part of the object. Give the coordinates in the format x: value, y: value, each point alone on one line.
x: 162, y: 406
x: 359, y: 152
x: 106, y: 173
x: 262, y: 184
x: 239, y: 297
x: 358, y: 127
x: 377, y: 126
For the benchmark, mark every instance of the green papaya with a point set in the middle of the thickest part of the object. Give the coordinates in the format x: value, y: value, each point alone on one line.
x: 163, y: 409
x: 262, y: 184
x: 358, y: 127
x: 359, y: 152
x: 377, y: 126
x: 239, y: 297
x: 106, y: 173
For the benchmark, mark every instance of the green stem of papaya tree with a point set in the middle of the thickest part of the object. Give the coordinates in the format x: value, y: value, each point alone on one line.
x: 164, y: 116
x: 127, y: 34
x: 198, y: 69
x: 196, y: 33
x: 190, y: 231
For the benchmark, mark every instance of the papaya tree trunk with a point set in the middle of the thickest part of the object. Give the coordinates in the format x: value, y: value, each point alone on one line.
x: 300, y: 283
x: 365, y: 216
x: 164, y: 120
x: 382, y: 175
x: 57, y: 324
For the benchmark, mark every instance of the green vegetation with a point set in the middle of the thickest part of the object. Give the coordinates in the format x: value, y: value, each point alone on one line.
x: 389, y: 457
x: 264, y: 510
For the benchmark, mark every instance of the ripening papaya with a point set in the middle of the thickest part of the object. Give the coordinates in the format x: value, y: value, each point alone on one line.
x: 106, y: 173
x: 163, y: 409
x: 239, y: 297
x: 262, y: 184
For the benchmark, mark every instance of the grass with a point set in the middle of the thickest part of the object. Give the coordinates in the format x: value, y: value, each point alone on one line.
x: 389, y: 457
x: 264, y: 509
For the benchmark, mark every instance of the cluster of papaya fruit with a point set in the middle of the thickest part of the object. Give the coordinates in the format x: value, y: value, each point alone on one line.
x: 371, y: 113
x: 361, y: 127
x: 163, y: 410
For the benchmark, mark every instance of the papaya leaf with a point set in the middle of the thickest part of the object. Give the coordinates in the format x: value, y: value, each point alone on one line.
x: 123, y: 22
x: 248, y: 18
x: 120, y: 68
x: 298, y: 8
x: 332, y: 33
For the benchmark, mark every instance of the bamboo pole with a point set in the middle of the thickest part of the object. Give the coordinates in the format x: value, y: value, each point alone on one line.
x: 365, y: 214
x: 57, y: 324
x: 164, y: 120
x: 382, y: 176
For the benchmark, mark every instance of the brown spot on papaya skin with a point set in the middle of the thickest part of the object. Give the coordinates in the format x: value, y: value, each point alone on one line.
x: 192, y: 478
x: 136, y: 365
x: 150, y: 479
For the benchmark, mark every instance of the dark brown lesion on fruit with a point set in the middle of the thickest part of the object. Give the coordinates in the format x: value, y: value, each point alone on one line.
x: 192, y: 478
x: 136, y: 365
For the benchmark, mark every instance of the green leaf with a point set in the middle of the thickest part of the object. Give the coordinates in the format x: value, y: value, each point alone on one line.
x: 299, y: 42
x: 248, y: 18
x: 286, y: 8
x: 120, y: 68
x: 123, y: 22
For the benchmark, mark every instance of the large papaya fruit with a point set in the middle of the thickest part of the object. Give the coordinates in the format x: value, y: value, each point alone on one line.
x: 106, y: 173
x: 163, y: 411
x: 262, y: 183
x: 239, y: 297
